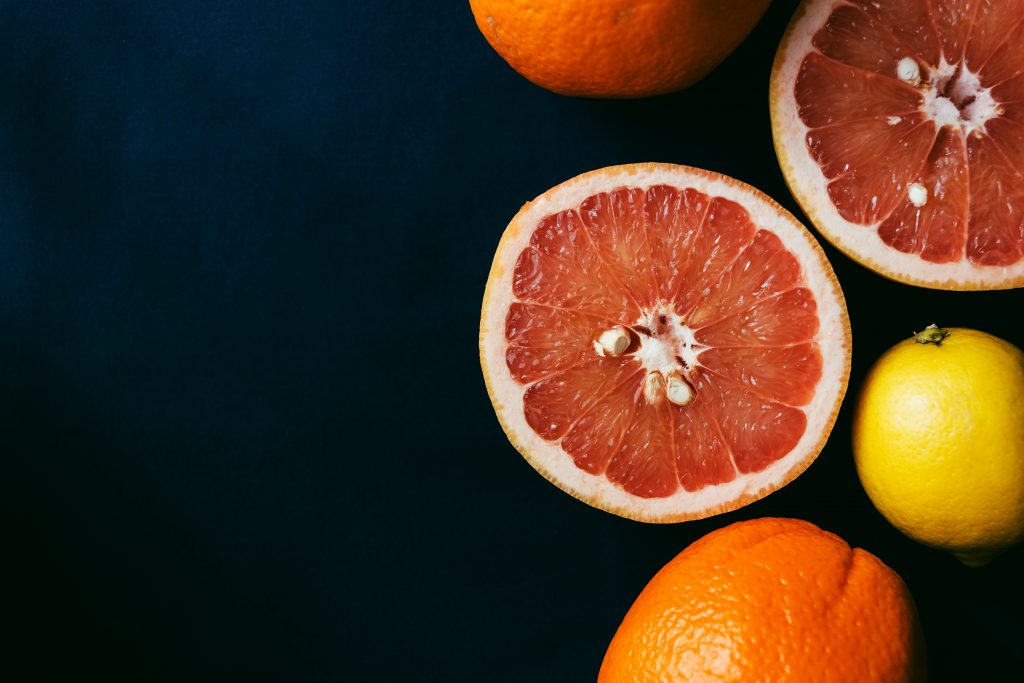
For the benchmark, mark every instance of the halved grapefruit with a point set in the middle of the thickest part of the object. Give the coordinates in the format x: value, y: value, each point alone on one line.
x: 899, y: 125
x: 663, y: 342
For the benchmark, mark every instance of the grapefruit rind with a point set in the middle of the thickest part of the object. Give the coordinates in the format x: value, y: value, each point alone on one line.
x: 548, y: 458
x: 808, y: 184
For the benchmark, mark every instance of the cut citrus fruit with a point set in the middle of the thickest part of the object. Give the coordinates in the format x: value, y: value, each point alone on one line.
x: 663, y: 342
x: 899, y: 125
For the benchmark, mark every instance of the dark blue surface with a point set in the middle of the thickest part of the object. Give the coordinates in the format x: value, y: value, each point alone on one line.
x: 242, y: 251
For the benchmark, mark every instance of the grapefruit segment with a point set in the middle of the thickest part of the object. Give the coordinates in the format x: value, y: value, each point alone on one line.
x: 763, y: 269
x: 614, y: 222
x: 598, y: 433
x: 853, y: 38
x: 672, y: 217
x: 717, y: 242
x: 935, y: 228
x: 997, y: 206
x: 757, y: 431
x: 868, y: 177
x: 663, y: 342
x: 561, y: 269
x: 953, y: 20
x: 786, y: 374
x: 873, y: 96
x: 702, y: 458
x: 553, y: 403
x: 899, y: 126
x: 1008, y: 92
x: 644, y: 463
x: 788, y: 318
x: 543, y: 340
x: 1006, y: 59
x: 1008, y: 135
x: 994, y: 25
x: 908, y: 23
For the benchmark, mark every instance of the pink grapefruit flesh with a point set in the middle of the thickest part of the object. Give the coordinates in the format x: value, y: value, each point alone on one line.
x: 899, y: 125
x: 663, y: 342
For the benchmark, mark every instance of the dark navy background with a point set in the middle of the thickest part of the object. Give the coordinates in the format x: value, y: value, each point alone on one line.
x: 242, y: 252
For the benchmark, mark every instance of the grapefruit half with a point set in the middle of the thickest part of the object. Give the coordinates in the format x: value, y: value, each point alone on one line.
x: 899, y: 125
x: 663, y: 342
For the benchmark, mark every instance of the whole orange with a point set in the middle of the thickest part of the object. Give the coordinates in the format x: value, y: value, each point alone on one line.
x: 770, y: 600
x: 615, y: 48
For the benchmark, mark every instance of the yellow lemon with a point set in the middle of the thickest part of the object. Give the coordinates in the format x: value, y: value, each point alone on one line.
x: 938, y: 438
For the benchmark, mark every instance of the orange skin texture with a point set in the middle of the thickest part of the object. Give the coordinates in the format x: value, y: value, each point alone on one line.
x: 615, y: 48
x: 770, y: 600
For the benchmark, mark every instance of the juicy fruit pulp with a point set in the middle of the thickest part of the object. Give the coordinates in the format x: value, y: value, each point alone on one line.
x: 913, y: 111
x: 663, y: 342
x: 702, y: 295
x: 769, y: 600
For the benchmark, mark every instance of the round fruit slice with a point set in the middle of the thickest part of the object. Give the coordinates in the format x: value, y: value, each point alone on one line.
x: 663, y: 342
x: 899, y: 125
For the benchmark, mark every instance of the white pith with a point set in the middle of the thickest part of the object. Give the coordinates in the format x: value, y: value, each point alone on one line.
x: 657, y: 353
x: 549, y: 458
x: 809, y: 184
x: 945, y: 112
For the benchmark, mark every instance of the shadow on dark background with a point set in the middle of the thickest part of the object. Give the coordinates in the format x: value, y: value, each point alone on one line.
x: 242, y: 251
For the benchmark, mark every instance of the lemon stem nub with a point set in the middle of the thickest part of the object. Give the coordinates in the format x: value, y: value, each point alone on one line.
x: 933, y: 334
